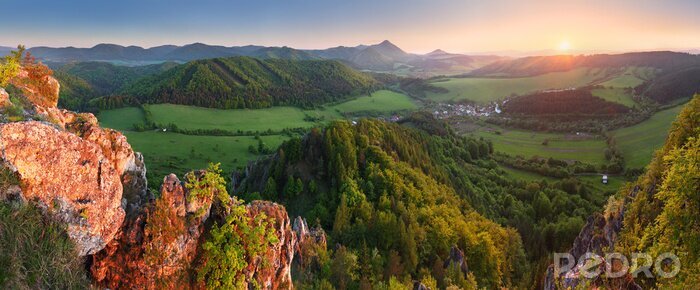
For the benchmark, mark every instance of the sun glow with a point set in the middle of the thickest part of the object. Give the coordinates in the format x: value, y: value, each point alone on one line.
x: 564, y: 46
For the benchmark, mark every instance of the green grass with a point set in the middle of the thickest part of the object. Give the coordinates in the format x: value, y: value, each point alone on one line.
x: 36, y: 252
x: 121, y: 119
x: 631, y: 77
x: 614, y: 182
x: 484, y: 90
x: 594, y: 181
x: 528, y: 144
x: 639, y: 142
x: 166, y: 153
x: 275, y: 118
x: 380, y: 101
x: 617, y: 95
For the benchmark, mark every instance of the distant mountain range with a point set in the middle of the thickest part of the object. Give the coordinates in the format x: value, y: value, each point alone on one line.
x: 384, y: 56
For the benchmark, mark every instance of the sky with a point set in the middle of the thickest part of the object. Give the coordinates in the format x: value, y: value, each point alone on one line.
x: 416, y: 26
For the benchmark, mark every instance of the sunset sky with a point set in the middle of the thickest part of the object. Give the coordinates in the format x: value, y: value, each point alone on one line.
x: 414, y: 25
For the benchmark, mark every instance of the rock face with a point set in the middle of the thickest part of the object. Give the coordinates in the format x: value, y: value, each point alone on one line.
x: 598, y: 236
x: 74, y: 169
x: 156, y: 246
x: 42, y: 92
x: 279, y: 276
x: 70, y: 177
x: 457, y: 259
x: 4, y: 98
x: 307, y: 236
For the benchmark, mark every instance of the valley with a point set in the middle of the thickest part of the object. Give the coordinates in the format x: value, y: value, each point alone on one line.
x: 396, y: 174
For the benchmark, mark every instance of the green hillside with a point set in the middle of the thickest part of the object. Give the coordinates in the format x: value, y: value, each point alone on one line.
x: 244, y: 82
x: 528, y: 144
x: 639, y: 142
x: 484, y: 90
x: 84, y: 81
x: 405, y: 194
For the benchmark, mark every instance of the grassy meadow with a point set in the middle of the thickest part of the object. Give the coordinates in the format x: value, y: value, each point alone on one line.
x: 639, y: 142
x: 630, y: 77
x: 484, y: 90
x: 189, y: 117
x: 167, y: 152
x: 617, y: 95
x: 560, y: 146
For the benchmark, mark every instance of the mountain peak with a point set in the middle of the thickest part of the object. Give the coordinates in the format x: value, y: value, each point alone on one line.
x: 389, y: 49
x: 438, y: 52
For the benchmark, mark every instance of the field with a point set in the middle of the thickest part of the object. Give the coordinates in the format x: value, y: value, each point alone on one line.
x: 275, y: 118
x: 167, y: 152
x: 527, y: 144
x: 594, y: 181
x: 630, y: 78
x: 484, y: 90
x: 639, y: 142
x: 616, y: 95
x: 121, y: 119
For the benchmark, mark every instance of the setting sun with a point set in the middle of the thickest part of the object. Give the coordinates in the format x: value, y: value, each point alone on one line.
x: 564, y: 46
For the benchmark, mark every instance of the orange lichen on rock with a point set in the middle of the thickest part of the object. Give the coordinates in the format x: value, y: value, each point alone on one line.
x: 68, y: 176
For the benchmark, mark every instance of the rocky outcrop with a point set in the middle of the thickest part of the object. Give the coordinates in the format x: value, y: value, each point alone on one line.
x: 41, y: 90
x: 598, y: 236
x: 74, y: 169
x: 280, y: 255
x: 156, y: 246
x: 307, y: 237
x: 4, y: 98
x: 457, y: 259
x: 69, y: 177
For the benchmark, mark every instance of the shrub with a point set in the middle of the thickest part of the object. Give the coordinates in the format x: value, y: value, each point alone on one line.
x: 231, y: 245
x: 36, y: 253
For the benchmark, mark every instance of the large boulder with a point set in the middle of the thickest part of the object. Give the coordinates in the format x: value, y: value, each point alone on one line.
x: 71, y: 178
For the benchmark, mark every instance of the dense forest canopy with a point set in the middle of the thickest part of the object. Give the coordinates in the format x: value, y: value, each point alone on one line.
x: 244, y: 82
x: 662, y: 215
x: 410, y: 192
x: 570, y: 103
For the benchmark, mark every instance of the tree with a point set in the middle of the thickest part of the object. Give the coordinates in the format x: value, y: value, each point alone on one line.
x: 344, y: 268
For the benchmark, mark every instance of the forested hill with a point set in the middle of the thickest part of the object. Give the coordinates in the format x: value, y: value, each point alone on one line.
x: 245, y: 82
x: 664, y: 212
x: 398, y: 198
x: 657, y: 214
x: 536, y: 65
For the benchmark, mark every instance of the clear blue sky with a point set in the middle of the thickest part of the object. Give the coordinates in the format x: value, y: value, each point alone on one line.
x: 416, y: 25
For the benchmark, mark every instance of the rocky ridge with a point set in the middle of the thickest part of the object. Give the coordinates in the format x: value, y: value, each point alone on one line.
x: 90, y: 180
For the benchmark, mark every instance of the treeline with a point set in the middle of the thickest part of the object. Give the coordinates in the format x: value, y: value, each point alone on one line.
x: 414, y: 87
x: 574, y: 122
x: 244, y: 82
x: 545, y: 166
x: 398, y: 197
x: 563, y: 105
x: 672, y: 85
